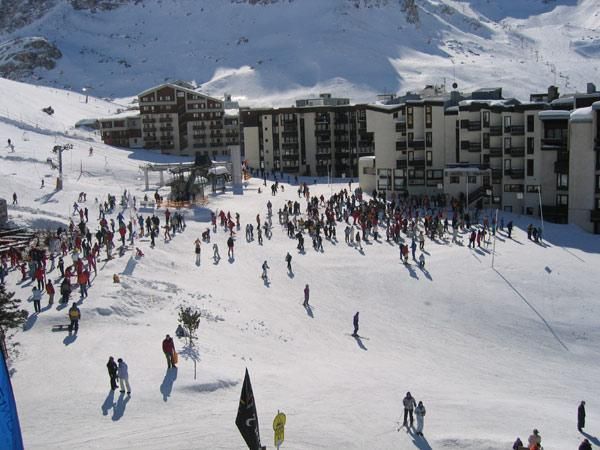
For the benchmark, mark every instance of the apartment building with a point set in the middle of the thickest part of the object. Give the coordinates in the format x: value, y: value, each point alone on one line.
x: 176, y: 119
x: 122, y: 130
x: 308, y: 139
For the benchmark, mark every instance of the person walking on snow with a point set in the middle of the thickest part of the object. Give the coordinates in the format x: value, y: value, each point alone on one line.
x: 197, y: 251
x: 36, y: 296
x: 123, y: 373
x: 74, y: 316
x: 111, y: 365
x: 168, y: 348
x: 216, y: 255
x: 306, y: 295
x: 355, y: 323
x: 288, y: 260
x: 265, y: 267
x: 409, y: 406
x: 420, y: 413
x: 581, y: 416
x: 230, y: 247
x: 422, y: 261
x: 50, y: 291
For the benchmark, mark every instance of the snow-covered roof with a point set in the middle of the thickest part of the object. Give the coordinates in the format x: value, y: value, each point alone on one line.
x: 232, y: 112
x: 554, y: 114
x: 367, y: 158
x: 129, y: 114
x: 502, y: 102
x: 582, y: 115
x: 219, y: 170
x: 596, y: 106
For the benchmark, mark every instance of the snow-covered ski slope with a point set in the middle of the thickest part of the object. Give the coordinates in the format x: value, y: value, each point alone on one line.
x: 491, y: 353
x: 273, y: 53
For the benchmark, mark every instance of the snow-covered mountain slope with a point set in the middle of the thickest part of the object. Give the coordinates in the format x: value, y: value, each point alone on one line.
x: 492, y: 353
x: 273, y: 51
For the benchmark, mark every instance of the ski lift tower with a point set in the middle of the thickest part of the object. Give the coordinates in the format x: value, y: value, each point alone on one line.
x: 59, y: 149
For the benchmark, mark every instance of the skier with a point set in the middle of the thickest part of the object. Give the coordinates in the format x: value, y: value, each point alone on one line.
x: 265, y: 267
x: 413, y: 247
x: 358, y: 240
x: 509, y: 228
x: 124, y: 377
x: 355, y: 322
x: 306, y: 295
x: 15, y: 198
x: 36, y: 296
x: 197, y: 250
x: 111, y: 365
x: 535, y: 440
x: 581, y: 416
x: 230, y: 247
x: 216, y: 255
x: 288, y: 260
x: 168, y: 348
x: 74, y: 316
x: 518, y: 444
x: 422, y: 261
x: 409, y: 405
x: 585, y: 445
x: 420, y: 413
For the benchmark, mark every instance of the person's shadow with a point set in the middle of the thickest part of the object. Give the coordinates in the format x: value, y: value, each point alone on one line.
x: 167, y: 385
x: 309, y: 311
x: 109, y: 403
x: 119, y: 407
x: 30, y: 322
x: 419, y: 441
x: 359, y: 342
x: 69, y: 339
x: 593, y: 439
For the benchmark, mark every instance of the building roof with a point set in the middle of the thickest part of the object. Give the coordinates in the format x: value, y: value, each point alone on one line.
x: 178, y: 87
x: 583, y: 115
x: 128, y: 114
x: 554, y: 114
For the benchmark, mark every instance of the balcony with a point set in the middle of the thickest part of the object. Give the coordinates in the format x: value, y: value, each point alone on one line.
x: 166, y: 128
x: 148, y: 120
x: 323, y: 132
x: 597, y: 143
x: 401, y: 164
x: 149, y: 130
x: 290, y: 156
x: 289, y: 145
x: 515, y: 174
x: 516, y: 151
x: 419, y: 163
x: 495, y: 131
x: 400, y: 128
x: 554, y: 143
x: 495, y: 152
x: 417, y: 145
x: 216, y: 127
x: 323, y: 155
x: 200, y: 145
x: 474, y: 126
x: 517, y: 130
x: 400, y: 145
x: 365, y: 150
x: 165, y: 119
x: 199, y: 136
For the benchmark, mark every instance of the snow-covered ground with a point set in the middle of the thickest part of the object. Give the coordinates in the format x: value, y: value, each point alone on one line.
x: 491, y: 353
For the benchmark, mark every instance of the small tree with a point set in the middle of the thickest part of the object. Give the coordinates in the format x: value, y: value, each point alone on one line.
x: 11, y: 316
x: 189, y: 319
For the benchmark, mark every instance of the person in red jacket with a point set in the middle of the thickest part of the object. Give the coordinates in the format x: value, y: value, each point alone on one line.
x: 39, y: 276
x: 169, y: 349
x: 50, y: 291
x: 82, y: 280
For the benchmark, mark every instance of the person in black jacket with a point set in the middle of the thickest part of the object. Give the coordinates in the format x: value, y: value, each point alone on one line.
x: 585, y: 445
x: 581, y: 416
x: 112, y: 367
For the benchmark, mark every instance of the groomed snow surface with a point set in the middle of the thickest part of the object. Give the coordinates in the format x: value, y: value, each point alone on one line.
x: 491, y: 353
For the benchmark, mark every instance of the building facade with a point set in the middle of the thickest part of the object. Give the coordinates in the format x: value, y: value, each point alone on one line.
x: 310, y: 140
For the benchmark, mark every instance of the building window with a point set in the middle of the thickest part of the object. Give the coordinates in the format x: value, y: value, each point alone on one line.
x: 472, y: 179
x: 486, y: 119
x: 507, y: 143
x: 562, y: 200
x: 562, y: 181
x: 513, y: 188
x: 429, y: 139
x: 486, y: 140
x: 530, y: 167
x: 409, y: 117
x: 530, y: 145
x: 533, y: 188
x: 411, y: 156
x: 428, y: 119
x: 454, y: 179
x: 507, y: 164
x: 507, y: 122
x: 530, y: 123
x: 429, y: 158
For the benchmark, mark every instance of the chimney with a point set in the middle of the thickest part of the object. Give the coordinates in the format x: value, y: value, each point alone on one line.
x: 591, y: 88
x: 552, y: 93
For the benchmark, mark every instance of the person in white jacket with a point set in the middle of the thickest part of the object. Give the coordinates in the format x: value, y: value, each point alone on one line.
x: 124, y: 376
x: 420, y: 413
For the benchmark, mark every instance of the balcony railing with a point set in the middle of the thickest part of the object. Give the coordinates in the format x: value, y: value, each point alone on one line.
x: 495, y: 152
x: 321, y: 132
x: 496, y: 131
x: 517, y: 130
x: 400, y: 145
x: 289, y: 145
x: 554, y: 143
x: 417, y: 145
x: 515, y: 174
x: 516, y: 151
x: 474, y: 126
x: 416, y: 163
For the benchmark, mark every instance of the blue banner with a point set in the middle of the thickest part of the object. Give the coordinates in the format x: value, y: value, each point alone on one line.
x: 10, y: 430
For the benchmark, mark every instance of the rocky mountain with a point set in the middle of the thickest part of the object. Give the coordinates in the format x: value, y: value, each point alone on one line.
x: 271, y: 51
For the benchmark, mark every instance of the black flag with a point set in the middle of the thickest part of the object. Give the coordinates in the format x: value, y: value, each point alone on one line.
x: 247, y: 419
